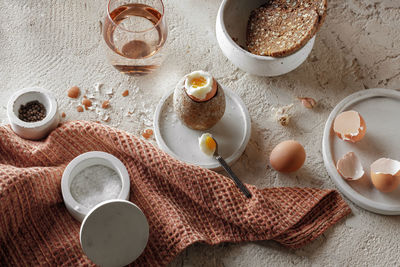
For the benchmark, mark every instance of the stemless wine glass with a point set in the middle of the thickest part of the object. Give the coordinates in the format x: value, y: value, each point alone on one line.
x: 135, y: 32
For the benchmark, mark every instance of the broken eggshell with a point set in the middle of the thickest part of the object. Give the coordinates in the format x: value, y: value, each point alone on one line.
x: 349, y: 167
x: 349, y: 126
x: 385, y: 174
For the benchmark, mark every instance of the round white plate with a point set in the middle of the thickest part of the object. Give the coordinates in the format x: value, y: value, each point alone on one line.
x: 114, y: 233
x: 380, y: 109
x: 232, y: 132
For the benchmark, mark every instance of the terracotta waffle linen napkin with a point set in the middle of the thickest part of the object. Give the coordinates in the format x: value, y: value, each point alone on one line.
x: 184, y: 204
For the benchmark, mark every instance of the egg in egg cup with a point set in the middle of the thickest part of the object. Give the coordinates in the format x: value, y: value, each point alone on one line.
x: 199, y: 100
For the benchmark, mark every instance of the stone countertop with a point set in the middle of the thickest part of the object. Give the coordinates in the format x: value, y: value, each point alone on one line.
x: 57, y: 44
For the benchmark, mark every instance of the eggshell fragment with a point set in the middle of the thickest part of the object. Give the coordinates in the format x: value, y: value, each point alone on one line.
x: 385, y: 174
x: 87, y: 103
x: 308, y: 102
x: 125, y: 93
x: 74, y: 92
x: 105, y: 104
x: 349, y: 126
x: 287, y: 156
x: 349, y: 167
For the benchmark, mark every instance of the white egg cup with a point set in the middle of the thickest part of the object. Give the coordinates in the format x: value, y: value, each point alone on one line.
x: 231, y: 24
x: 33, y: 130
x: 76, y: 209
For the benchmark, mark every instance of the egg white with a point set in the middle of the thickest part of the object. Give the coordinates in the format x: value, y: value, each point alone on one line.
x: 201, y: 91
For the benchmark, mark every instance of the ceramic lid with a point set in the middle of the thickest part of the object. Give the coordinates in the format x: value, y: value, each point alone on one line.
x: 114, y: 233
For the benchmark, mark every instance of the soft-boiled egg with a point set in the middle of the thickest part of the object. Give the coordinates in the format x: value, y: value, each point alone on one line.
x: 288, y: 156
x: 199, y: 100
x: 207, y: 144
x: 385, y: 174
x: 349, y: 126
x: 200, y: 85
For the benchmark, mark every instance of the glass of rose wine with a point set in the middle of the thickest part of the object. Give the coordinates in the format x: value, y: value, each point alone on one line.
x: 135, y: 32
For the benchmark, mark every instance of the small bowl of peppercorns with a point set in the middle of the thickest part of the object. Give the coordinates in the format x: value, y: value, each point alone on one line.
x: 33, y: 113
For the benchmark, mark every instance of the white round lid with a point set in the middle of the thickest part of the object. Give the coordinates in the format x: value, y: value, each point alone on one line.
x: 114, y: 233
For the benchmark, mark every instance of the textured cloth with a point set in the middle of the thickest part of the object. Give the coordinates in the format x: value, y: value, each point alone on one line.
x: 184, y: 204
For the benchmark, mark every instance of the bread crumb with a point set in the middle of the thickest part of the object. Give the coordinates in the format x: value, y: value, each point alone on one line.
x: 125, y: 93
x: 79, y: 109
x: 63, y: 115
x: 74, y: 92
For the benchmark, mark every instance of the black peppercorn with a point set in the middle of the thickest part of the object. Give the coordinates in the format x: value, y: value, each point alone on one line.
x: 32, y: 111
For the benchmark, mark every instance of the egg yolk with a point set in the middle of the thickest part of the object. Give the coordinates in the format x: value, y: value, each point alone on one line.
x: 210, y: 143
x: 197, y: 82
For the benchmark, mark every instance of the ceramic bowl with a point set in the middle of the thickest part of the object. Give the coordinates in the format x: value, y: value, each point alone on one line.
x: 76, y: 209
x: 231, y: 25
x: 33, y: 130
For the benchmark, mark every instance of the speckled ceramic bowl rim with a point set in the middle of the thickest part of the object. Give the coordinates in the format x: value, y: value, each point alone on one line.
x: 221, y: 21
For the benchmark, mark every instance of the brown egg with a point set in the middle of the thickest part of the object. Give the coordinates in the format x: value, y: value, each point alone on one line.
x: 385, y: 174
x: 287, y: 156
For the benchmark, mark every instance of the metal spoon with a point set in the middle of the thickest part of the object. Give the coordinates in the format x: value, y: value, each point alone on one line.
x: 238, y: 183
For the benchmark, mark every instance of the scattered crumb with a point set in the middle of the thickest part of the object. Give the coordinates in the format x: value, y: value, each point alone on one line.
x: 79, y: 109
x: 97, y: 86
x: 106, y: 118
x: 74, y: 92
x: 147, y: 133
x: 90, y: 96
x: 63, y: 115
x: 282, y: 114
x: 87, y: 103
x: 125, y: 93
x: 100, y: 26
x: 308, y: 102
x: 106, y: 104
x: 109, y: 91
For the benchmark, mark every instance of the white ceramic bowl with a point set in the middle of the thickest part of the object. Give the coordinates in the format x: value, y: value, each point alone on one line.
x: 77, y: 210
x: 231, y: 24
x: 33, y: 130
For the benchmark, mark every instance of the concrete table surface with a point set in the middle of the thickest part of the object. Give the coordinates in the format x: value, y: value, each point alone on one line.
x: 57, y: 44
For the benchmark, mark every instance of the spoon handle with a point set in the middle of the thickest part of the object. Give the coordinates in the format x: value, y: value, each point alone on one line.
x: 238, y: 183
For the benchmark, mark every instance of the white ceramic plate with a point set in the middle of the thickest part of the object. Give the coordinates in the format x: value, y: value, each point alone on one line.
x: 380, y: 109
x: 232, y: 132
